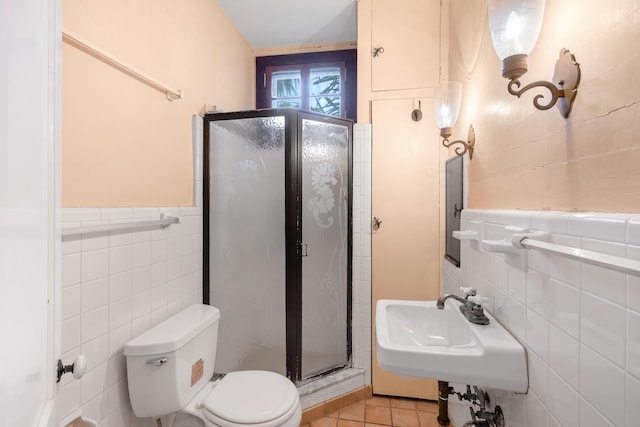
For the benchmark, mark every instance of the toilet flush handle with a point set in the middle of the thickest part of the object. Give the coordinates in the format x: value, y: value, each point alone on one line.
x: 158, y: 361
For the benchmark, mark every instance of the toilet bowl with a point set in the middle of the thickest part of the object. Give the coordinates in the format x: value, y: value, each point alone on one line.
x: 253, y: 398
x: 169, y: 369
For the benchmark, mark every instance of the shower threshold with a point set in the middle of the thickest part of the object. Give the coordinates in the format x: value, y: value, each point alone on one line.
x: 330, y: 386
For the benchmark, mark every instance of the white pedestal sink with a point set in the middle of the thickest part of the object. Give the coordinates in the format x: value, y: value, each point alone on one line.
x: 416, y: 339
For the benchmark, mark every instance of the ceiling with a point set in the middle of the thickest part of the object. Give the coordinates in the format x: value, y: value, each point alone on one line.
x: 285, y: 23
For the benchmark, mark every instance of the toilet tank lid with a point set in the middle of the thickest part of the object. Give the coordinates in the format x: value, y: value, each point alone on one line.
x: 174, y: 332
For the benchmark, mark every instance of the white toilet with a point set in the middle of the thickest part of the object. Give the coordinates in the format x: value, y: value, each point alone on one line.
x: 169, y: 369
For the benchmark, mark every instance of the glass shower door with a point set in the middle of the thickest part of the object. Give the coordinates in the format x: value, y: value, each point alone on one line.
x: 247, y: 228
x: 324, y: 248
x: 278, y: 240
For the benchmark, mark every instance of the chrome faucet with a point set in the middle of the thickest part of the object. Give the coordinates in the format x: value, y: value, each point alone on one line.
x: 471, y: 306
x: 443, y: 298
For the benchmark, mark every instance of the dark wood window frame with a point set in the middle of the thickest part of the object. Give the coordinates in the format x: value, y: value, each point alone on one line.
x: 305, y: 95
x: 347, y: 57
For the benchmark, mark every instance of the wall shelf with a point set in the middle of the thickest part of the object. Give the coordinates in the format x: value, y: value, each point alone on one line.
x: 500, y: 246
x: 466, y: 235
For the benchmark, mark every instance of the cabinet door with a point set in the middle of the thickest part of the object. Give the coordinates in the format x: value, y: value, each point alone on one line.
x: 409, y: 33
x: 406, y: 252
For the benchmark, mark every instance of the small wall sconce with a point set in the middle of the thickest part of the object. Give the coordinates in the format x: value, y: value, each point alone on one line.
x: 515, y: 27
x: 446, y: 107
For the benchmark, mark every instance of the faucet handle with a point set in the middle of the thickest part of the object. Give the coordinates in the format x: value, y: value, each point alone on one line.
x: 468, y: 291
x: 476, y: 299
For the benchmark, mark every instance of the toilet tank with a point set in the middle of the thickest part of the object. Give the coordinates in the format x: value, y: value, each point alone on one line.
x: 168, y: 364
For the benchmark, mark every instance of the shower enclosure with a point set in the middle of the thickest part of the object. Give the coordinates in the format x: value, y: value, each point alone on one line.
x: 277, y: 233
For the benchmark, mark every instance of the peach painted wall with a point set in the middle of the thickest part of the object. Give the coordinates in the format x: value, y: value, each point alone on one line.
x: 530, y: 159
x: 123, y: 143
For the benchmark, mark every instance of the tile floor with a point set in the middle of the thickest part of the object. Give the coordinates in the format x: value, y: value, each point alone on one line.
x: 383, y: 411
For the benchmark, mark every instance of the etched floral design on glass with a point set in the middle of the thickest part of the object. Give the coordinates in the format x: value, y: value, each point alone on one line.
x: 322, y: 204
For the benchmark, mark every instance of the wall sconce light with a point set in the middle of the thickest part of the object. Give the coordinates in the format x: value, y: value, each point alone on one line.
x: 515, y: 26
x: 446, y: 107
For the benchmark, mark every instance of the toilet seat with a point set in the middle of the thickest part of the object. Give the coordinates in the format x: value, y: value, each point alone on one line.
x: 258, y: 398
x: 293, y: 414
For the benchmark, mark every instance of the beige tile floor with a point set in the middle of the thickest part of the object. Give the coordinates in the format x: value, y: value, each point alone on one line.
x: 383, y: 411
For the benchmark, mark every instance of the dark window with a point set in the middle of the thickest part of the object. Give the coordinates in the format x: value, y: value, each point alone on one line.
x: 324, y: 82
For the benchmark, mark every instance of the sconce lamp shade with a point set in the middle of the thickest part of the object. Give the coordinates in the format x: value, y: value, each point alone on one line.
x: 447, y: 104
x: 515, y: 25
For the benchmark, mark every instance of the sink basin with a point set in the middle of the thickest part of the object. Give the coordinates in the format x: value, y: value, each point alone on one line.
x: 416, y: 339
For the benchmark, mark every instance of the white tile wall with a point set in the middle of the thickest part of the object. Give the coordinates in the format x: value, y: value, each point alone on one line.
x: 581, y: 323
x: 362, y: 248
x: 116, y: 285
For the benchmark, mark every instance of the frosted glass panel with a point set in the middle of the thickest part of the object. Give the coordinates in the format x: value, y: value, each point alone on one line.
x: 247, y: 232
x: 325, y: 233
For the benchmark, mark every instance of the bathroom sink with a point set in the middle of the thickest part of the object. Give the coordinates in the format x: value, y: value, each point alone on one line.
x: 416, y: 339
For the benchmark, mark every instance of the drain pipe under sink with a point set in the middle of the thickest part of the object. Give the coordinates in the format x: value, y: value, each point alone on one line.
x: 443, y: 403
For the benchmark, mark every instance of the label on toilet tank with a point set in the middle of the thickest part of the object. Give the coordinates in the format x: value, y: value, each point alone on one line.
x: 197, y: 371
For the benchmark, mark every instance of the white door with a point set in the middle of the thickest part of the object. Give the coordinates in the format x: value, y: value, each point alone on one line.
x: 29, y: 87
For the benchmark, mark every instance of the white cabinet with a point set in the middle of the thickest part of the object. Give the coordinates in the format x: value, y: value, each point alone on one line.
x: 406, y: 34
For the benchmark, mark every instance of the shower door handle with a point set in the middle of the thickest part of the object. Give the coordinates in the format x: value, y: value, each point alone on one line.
x: 303, y: 249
